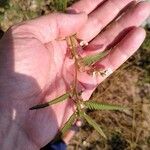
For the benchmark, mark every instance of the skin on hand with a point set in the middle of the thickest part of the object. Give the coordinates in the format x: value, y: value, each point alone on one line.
x: 35, y: 67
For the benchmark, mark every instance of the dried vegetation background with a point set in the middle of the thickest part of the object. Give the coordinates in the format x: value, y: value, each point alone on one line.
x: 129, y: 85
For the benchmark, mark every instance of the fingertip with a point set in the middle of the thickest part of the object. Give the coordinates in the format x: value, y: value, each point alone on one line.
x: 138, y: 33
x: 142, y: 31
x: 144, y: 3
x: 127, y: 47
x: 143, y: 8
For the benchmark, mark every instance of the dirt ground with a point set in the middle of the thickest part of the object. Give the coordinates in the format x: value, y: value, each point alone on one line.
x: 129, y: 86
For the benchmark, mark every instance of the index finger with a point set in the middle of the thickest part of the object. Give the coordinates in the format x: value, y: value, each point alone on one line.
x: 86, y: 6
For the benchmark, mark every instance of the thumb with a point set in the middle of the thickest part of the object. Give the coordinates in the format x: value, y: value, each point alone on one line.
x: 55, y: 25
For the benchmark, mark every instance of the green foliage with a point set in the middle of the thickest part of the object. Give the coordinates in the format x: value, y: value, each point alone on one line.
x: 66, y: 127
x: 60, y: 5
x: 55, y: 101
x: 100, y: 106
x: 68, y: 124
x: 15, y: 11
x: 94, y: 125
x: 92, y: 59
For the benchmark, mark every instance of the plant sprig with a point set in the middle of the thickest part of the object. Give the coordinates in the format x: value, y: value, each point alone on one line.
x: 81, y: 106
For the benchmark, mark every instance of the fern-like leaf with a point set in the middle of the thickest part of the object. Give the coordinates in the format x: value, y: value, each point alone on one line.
x: 102, y: 106
x: 92, y: 59
x: 56, y: 100
x: 94, y: 125
x: 66, y: 127
x: 68, y: 124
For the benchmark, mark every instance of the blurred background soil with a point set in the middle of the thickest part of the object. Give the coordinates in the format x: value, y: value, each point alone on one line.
x: 129, y: 85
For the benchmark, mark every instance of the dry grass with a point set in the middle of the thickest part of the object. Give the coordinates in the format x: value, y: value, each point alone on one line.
x: 126, y: 130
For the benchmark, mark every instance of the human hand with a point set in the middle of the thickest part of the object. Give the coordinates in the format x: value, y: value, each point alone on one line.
x: 35, y: 68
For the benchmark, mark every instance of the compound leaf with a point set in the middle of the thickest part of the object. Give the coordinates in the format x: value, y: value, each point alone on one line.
x: 66, y: 127
x: 68, y: 124
x: 94, y: 125
x: 92, y: 59
x: 56, y: 100
x: 102, y: 106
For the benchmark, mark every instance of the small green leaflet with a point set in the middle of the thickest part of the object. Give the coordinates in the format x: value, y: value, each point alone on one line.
x: 92, y: 59
x: 68, y: 124
x: 102, y: 106
x: 66, y: 127
x: 94, y: 125
x: 57, y: 100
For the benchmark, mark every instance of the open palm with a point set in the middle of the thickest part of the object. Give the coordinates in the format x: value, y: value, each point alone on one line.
x: 35, y: 66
